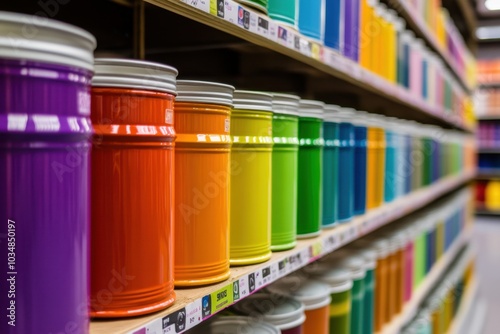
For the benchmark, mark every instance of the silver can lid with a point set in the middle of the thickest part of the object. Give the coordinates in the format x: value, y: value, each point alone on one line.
x: 311, y: 108
x: 134, y: 74
x: 252, y: 100
x: 204, y: 92
x: 37, y: 38
x: 286, y: 104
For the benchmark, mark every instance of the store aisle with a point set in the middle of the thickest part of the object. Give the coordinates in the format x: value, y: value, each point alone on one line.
x: 487, y: 242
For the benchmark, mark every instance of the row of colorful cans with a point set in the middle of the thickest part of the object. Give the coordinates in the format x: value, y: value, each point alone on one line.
x: 442, y: 306
x: 100, y: 184
x: 488, y: 134
x: 488, y: 194
x: 370, y: 33
x: 360, y: 288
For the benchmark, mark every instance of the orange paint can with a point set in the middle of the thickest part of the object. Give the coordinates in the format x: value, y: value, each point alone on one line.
x: 202, y: 149
x: 315, y: 295
x: 132, y: 188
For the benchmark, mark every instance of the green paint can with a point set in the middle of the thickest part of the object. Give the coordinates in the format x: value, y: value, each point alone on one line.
x: 260, y: 5
x: 309, y: 202
x: 284, y: 171
x: 283, y: 11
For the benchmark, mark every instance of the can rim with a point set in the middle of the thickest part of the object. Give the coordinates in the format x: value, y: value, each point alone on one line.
x: 134, y: 74
x: 286, y: 104
x: 311, y: 108
x: 252, y: 100
x: 55, y: 42
x: 204, y: 92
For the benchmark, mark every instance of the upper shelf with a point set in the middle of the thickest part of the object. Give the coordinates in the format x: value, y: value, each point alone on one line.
x: 421, y: 30
x: 330, y: 70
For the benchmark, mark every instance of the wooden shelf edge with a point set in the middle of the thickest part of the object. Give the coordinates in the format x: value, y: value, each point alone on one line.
x: 492, y: 150
x: 423, y: 31
x: 464, y: 311
x: 488, y: 117
x: 483, y: 211
x: 427, y: 285
x: 306, y: 251
x: 310, y: 53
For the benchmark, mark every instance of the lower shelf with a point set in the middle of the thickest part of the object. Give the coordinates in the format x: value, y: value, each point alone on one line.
x: 431, y: 280
x: 189, y: 301
x: 471, y: 313
x: 485, y: 211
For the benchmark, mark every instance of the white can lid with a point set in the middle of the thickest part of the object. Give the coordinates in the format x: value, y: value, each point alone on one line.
x: 238, y: 325
x: 368, y: 253
x: 252, y: 100
x: 338, y: 278
x: 27, y: 37
x: 356, y: 265
x: 286, y: 104
x: 204, y: 92
x: 281, y: 311
x: 312, y: 293
x: 134, y: 74
x: 311, y: 108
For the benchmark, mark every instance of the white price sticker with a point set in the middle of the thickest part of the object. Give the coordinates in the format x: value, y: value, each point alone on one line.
x: 193, y: 314
x: 203, y: 5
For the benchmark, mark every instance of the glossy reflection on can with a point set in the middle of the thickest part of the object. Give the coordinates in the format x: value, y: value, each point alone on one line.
x: 310, y: 193
x: 132, y: 188
x: 251, y: 165
x: 284, y: 171
x: 202, y: 149
x: 44, y: 175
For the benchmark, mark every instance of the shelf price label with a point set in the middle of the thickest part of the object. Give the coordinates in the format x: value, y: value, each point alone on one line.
x: 315, y: 250
x: 316, y: 51
x: 204, y: 5
x: 193, y: 314
x: 266, y: 275
x: 262, y: 27
x: 243, y: 18
x: 222, y: 298
x: 174, y: 323
x: 240, y: 289
x: 217, y: 7
x: 283, y: 267
x: 330, y: 244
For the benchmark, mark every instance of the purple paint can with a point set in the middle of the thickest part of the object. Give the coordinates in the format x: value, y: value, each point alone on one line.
x: 45, y: 72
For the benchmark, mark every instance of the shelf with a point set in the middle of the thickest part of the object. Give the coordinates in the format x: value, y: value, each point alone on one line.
x: 283, y: 40
x: 429, y: 283
x: 489, y: 118
x: 487, y: 174
x: 489, y: 150
x: 485, y: 211
x: 463, y: 323
x: 280, y: 265
x: 417, y: 24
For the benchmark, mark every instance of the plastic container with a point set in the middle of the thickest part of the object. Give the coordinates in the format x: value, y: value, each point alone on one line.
x: 44, y: 174
x: 283, y: 11
x: 132, y: 188
x: 202, y: 116
x: 340, y: 283
x: 311, y: 17
x: 330, y: 166
x: 311, y: 143
x: 284, y: 173
x: 315, y: 296
x: 251, y: 166
x: 286, y: 313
